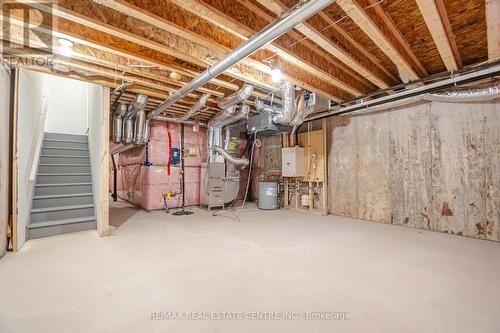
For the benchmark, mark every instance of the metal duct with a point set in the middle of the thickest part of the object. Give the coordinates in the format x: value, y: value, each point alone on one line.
x: 241, y: 161
x: 297, y: 14
x: 140, y: 120
x: 238, y: 97
x: 128, y: 131
x: 191, y: 112
x: 289, y: 109
x: 118, y: 122
x: 145, y: 136
x: 137, y: 105
x: 261, y: 107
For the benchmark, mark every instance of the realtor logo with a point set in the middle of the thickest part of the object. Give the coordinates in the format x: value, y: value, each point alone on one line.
x: 26, y: 28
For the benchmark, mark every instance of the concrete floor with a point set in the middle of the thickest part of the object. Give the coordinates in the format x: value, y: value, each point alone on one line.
x: 389, y: 278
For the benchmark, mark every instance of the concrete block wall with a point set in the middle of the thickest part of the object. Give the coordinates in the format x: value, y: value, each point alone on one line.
x: 432, y: 166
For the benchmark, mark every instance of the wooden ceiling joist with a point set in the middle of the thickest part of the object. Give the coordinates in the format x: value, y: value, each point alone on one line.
x: 432, y: 18
x: 366, y: 23
x: 367, y: 71
x: 315, y: 68
x: 493, y: 28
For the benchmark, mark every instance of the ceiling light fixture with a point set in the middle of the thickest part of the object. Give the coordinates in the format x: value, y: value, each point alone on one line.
x: 175, y: 76
x: 276, y: 75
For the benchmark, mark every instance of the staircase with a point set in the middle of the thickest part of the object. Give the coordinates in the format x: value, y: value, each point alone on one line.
x: 63, y: 201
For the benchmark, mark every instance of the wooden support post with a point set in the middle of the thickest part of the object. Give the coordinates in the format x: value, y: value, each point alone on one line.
x: 324, y: 125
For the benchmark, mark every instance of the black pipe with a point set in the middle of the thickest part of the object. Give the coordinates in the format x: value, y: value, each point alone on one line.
x: 183, y: 211
x: 114, y: 195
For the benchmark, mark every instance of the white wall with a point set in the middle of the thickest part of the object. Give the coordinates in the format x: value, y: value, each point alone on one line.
x: 68, y: 105
x: 99, y: 153
x: 4, y: 156
x: 32, y: 91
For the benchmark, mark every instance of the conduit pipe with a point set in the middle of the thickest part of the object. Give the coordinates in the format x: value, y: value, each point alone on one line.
x: 297, y: 14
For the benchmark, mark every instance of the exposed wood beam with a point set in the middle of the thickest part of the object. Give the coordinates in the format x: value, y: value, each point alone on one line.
x: 392, y: 29
x: 140, y: 33
x: 308, y: 30
x: 493, y: 24
x: 434, y: 23
x: 307, y: 43
x: 146, y: 15
x: 358, y: 15
x: 449, y: 31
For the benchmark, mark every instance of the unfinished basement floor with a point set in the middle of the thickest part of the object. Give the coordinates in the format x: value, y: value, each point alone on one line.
x: 389, y: 278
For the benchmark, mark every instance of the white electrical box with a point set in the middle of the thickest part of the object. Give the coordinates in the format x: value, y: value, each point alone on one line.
x: 292, y: 162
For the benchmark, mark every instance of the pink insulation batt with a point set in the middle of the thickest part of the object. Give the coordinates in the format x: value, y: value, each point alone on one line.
x: 144, y: 186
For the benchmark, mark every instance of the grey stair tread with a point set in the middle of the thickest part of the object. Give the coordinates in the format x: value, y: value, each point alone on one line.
x: 58, y: 165
x: 64, y: 156
x: 54, y: 209
x: 65, y: 174
x: 65, y: 140
x: 66, y: 148
x: 62, y: 184
x: 55, y: 196
x: 43, y: 224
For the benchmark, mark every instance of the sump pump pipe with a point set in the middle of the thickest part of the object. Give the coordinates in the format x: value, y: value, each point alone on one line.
x: 301, y: 12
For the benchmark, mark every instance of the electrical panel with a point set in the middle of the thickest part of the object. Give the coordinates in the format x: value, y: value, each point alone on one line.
x: 292, y: 162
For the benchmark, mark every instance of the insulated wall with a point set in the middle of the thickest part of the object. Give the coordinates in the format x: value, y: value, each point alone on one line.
x: 4, y: 156
x: 433, y: 166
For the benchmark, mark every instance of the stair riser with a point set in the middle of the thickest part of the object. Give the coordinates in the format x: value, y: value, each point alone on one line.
x: 68, y: 137
x: 66, y: 144
x: 64, y: 152
x: 61, y: 229
x: 64, y: 160
x: 53, y: 190
x: 61, y: 214
x: 58, y: 202
x: 64, y: 169
x: 62, y: 179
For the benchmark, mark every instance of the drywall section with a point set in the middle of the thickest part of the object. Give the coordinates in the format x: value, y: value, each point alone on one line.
x: 4, y: 156
x: 31, y: 103
x: 68, y: 105
x: 99, y: 154
x: 433, y: 166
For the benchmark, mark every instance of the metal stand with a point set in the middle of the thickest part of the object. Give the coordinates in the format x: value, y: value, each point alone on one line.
x: 183, y: 210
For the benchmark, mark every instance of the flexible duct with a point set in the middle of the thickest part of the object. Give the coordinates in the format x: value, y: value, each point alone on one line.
x: 238, y: 97
x: 120, y: 111
x: 140, y: 120
x: 289, y: 108
x: 467, y: 95
x: 241, y: 161
x: 299, y: 13
x: 302, y: 111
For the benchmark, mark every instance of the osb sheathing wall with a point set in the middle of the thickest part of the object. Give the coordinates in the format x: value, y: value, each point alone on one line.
x: 433, y: 166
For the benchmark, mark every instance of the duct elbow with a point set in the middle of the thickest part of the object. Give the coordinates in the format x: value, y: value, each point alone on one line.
x: 238, y: 161
x: 241, y: 95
